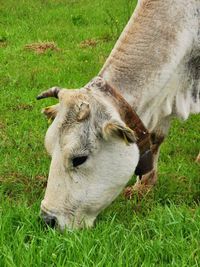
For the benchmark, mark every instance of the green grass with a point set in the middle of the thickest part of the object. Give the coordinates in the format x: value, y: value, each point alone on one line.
x: 163, y: 229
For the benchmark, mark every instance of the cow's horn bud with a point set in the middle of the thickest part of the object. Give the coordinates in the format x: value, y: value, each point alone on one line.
x: 52, y: 92
x: 84, y: 111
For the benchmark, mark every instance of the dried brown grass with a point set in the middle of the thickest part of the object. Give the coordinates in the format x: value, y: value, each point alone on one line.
x: 42, y: 47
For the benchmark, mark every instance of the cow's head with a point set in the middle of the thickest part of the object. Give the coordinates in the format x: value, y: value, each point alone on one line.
x: 93, y: 153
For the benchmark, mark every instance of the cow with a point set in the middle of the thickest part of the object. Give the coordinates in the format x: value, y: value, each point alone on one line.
x: 111, y: 128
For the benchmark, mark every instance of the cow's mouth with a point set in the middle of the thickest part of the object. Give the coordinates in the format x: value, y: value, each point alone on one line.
x: 63, y: 222
x: 49, y: 220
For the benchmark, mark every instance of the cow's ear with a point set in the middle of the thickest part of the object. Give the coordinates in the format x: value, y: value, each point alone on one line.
x: 119, y: 129
x: 51, y: 111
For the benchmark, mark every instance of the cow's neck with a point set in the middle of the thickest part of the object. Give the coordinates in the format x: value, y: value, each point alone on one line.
x: 147, y: 56
x: 98, y: 86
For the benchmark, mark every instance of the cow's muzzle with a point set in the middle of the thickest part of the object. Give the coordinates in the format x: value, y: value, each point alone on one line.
x: 48, y: 219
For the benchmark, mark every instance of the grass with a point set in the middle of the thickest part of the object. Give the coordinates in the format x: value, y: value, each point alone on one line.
x: 163, y: 229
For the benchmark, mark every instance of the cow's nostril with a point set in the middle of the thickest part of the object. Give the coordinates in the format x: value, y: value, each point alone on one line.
x: 49, y: 219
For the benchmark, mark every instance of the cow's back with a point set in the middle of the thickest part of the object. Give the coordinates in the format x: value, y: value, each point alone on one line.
x: 155, y: 63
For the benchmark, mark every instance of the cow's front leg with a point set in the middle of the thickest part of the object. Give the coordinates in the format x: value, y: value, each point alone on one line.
x: 147, y: 181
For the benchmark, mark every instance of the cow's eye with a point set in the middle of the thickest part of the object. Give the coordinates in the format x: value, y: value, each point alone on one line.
x: 79, y: 160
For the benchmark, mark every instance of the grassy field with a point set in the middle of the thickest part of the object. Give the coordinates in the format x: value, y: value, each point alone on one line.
x: 163, y: 229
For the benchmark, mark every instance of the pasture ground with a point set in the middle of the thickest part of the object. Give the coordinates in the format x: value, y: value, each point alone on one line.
x: 163, y: 229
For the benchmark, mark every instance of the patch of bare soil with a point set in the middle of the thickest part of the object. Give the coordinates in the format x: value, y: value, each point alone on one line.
x: 94, y: 42
x: 42, y: 47
x: 22, y: 107
x: 88, y: 43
